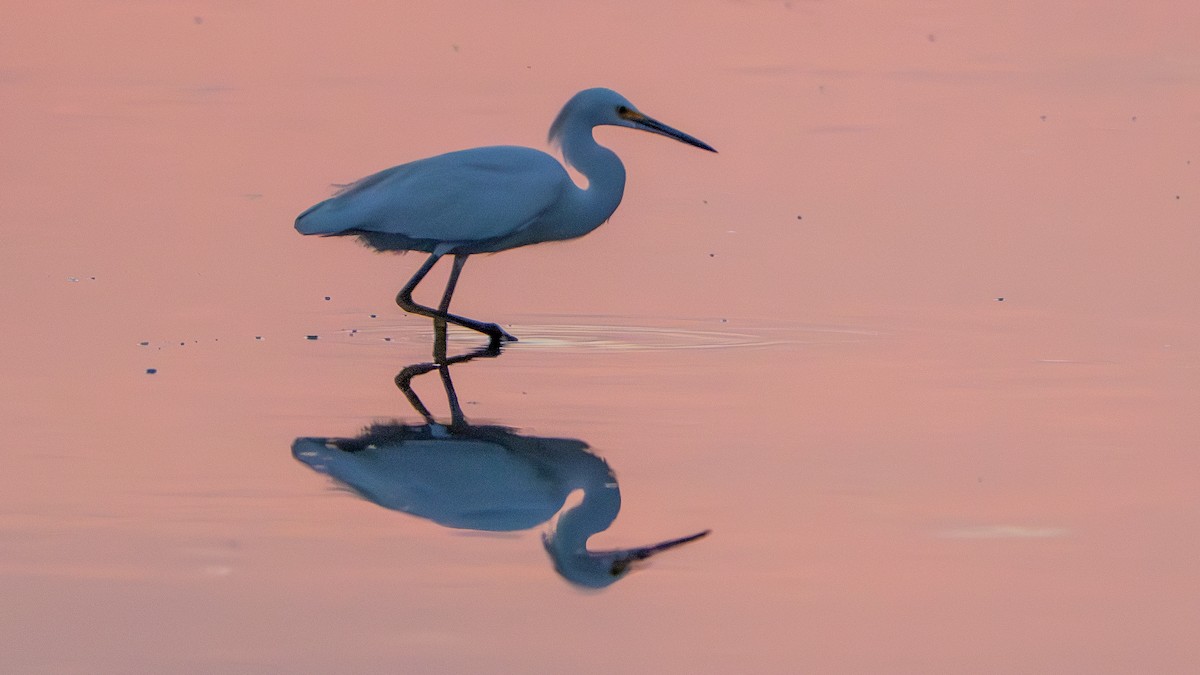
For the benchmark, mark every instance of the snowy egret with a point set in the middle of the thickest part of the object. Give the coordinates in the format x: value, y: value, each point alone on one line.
x: 486, y: 478
x: 489, y: 199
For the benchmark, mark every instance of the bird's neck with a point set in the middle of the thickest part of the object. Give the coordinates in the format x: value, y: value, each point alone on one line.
x: 605, y: 175
x: 599, y: 508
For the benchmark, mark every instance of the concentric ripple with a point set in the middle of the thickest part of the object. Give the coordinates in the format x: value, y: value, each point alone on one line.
x: 620, y: 334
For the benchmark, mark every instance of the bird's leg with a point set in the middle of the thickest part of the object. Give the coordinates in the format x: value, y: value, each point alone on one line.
x: 439, y: 325
x: 405, y: 300
x: 404, y: 297
x: 404, y: 383
x: 457, y: 419
x: 405, y: 377
x: 439, y: 341
x: 459, y: 261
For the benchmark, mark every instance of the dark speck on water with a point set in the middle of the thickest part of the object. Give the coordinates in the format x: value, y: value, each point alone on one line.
x: 327, y: 297
x: 310, y: 337
x: 143, y: 343
x: 372, y: 316
x: 151, y: 371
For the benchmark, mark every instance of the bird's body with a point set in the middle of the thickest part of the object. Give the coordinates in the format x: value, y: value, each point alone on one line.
x: 490, y: 199
x: 506, y: 196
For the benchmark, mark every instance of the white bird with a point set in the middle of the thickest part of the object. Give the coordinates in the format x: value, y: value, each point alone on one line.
x: 489, y: 199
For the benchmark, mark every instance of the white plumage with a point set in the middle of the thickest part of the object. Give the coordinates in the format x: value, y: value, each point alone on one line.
x: 489, y: 199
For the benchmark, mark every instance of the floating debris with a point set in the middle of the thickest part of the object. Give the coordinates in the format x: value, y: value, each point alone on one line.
x: 151, y: 371
x: 310, y: 337
x: 327, y: 298
x: 999, y: 299
x: 257, y: 337
x: 144, y: 343
x: 373, y: 316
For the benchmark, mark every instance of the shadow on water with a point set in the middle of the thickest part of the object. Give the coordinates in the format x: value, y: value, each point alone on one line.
x: 484, y: 477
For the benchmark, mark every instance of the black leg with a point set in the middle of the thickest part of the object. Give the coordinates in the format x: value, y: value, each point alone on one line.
x: 459, y: 262
x: 457, y: 419
x: 404, y: 378
x: 405, y: 300
x: 439, y: 341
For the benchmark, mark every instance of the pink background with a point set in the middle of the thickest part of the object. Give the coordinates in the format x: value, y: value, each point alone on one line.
x: 796, y: 342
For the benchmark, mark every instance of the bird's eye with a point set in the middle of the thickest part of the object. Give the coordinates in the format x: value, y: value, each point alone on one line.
x: 622, y: 110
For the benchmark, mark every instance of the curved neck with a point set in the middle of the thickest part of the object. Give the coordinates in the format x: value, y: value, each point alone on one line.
x: 599, y: 508
x: 591, y: 207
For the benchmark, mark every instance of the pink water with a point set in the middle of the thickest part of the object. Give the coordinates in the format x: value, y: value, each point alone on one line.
x: 799, y: 343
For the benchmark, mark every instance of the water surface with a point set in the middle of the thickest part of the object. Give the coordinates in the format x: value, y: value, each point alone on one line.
x: 919, y: 346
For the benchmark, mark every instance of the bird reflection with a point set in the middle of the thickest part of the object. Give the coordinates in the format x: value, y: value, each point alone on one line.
x: 484, y: 477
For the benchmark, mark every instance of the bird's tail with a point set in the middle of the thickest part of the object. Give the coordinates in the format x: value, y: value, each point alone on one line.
x: 317, y: 220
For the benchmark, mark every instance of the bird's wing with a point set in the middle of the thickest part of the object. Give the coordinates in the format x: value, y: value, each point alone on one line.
x: 469, y: 195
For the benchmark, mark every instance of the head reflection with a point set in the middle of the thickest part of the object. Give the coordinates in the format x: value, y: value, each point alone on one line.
x: 485, y: 477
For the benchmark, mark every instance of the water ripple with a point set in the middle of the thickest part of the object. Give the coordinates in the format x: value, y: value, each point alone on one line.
x: 623, y: 334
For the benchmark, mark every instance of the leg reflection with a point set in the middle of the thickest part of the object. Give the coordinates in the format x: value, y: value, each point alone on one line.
x: 441, y: 362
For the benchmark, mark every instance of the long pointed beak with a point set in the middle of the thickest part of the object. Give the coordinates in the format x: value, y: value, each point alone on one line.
x: 651, y: 124
x: 646, y: 552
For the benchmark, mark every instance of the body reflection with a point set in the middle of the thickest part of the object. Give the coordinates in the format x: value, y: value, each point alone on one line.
x: 484, y: 477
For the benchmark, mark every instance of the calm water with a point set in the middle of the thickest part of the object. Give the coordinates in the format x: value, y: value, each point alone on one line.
x: 919, y: 346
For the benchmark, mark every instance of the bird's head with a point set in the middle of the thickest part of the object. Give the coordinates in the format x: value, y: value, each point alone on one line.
x: 598, y: 569
x: 600, y: 106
